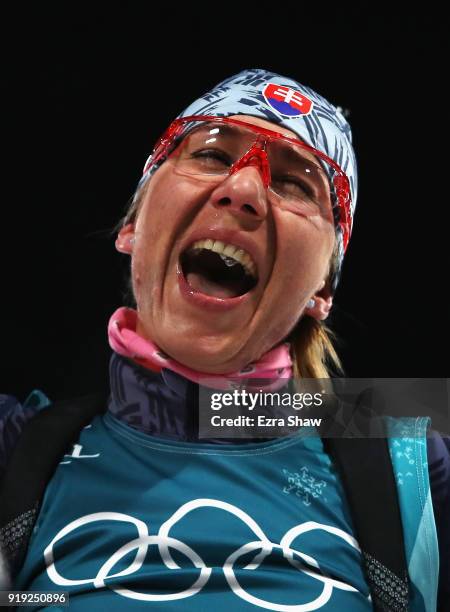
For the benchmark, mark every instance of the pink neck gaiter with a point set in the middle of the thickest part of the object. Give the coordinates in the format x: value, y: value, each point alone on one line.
x: 275, y: 365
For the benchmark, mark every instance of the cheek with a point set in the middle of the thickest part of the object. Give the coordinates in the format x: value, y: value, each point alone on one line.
x: 169, y: 204
x: 304, y: 254
x: 167, y: 207
x: 156, y: 209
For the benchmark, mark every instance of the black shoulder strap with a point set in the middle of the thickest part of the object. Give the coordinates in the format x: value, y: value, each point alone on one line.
x: 366, y: 470
x: 40, y: 447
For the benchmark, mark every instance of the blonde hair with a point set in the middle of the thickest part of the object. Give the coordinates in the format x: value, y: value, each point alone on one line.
x: 312, y: 349
x: 312, y: 341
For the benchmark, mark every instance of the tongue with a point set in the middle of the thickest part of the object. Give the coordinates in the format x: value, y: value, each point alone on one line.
x: 199, y: 283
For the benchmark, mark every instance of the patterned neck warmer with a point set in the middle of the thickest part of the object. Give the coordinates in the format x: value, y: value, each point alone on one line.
x: 275, y: 366
x: 159, y: 396
x: 161, y: 404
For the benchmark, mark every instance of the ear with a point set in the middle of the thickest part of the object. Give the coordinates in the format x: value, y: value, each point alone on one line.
x: 125, y: 239
x: 323, y: 301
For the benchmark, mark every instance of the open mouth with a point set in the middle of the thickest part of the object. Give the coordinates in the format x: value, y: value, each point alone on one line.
x: 218, y: 269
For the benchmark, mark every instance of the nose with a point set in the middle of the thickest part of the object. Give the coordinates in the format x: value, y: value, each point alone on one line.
x: 243, y: 193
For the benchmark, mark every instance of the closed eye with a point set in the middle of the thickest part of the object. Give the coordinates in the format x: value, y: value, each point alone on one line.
x: 213, y: 155
x: 292, y: 185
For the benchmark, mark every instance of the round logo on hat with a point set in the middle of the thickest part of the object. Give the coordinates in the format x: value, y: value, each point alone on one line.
x: 287, y: 101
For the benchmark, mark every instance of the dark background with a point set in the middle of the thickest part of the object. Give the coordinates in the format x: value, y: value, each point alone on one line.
x: 87, y: 92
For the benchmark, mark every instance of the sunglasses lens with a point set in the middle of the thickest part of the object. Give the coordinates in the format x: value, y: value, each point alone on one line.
x: 212, y: 149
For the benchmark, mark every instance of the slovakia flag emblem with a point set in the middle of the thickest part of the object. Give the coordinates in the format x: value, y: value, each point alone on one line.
x: 287, y: 101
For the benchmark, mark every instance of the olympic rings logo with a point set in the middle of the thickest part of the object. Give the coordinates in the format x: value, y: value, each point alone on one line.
x: 165, y: 542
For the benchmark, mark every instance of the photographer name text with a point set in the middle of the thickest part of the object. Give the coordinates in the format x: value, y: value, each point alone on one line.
x: 263, y: 421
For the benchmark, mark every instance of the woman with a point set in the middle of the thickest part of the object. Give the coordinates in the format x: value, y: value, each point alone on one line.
x: 236, y: 234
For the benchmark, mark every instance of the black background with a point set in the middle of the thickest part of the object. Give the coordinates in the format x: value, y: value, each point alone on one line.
x: 87, y: 92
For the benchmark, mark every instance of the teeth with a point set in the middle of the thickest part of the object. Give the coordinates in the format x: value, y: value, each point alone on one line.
x: 228, y: 261
x: 229, y: 253
x: 229, y: 250
x: 218, y: 246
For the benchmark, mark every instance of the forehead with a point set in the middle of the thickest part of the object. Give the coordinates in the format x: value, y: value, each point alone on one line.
x: 268, y: 125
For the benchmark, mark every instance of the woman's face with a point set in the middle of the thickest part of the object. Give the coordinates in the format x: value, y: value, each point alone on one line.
x: 192, y: 316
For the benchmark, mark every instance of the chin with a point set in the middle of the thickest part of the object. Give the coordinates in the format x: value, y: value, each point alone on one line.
x: 207, y: 354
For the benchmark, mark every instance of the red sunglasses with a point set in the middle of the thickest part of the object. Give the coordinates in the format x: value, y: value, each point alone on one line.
x: 256, y: 155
